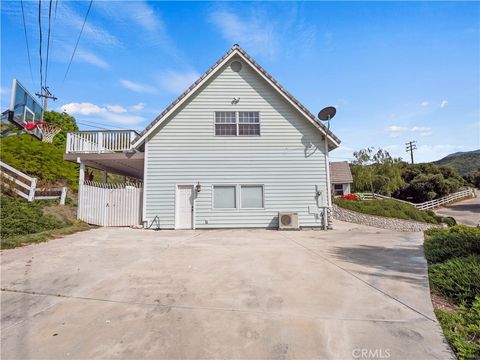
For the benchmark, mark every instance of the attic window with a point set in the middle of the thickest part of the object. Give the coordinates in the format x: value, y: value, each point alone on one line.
x: 232, y: 123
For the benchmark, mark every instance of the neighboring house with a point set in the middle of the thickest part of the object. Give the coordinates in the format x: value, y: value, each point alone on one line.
x: 342, y: 179
x: 232, y: 151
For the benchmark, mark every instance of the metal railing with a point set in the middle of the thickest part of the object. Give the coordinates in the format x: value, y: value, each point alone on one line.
x: 98, y: 142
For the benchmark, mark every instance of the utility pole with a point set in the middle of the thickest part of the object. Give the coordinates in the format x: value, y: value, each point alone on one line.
x: 46, y: 94
x: 410, y: 146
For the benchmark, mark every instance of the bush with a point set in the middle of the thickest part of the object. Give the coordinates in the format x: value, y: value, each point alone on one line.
x: 19, y: 217
x: 457, y: 241
x: 450, y: 221
x: 462, y: 329
x: 457, y: 279
x: 389, y: 208
x: 352, y: 197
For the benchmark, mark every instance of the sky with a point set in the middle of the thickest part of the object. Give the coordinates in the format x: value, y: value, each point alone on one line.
x: 396, y: 71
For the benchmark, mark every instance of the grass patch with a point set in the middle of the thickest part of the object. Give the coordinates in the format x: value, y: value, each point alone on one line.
x: 462, y: 329
x: 457, y: 279
x: 444, y: 244
x: 454, y: 272
x: 20, y: 240
x: 389, y: 208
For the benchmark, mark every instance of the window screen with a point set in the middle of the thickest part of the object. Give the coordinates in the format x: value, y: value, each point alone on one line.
x: 225, y: 123
x: 224, y: 197
x: 252, y: 196
x: 248, y: 123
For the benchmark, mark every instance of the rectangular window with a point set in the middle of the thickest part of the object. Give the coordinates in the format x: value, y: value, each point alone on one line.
x: 242, y: 123
x: 338, y: 188
x: 248, y: 123
x: 251, y: 196
x: 225, y: 123
x: 224, y: 197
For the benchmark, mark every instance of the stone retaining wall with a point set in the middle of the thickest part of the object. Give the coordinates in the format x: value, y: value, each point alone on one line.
x: 379, y: 221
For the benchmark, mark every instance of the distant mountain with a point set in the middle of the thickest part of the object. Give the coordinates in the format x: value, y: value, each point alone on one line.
x: 464, y: 162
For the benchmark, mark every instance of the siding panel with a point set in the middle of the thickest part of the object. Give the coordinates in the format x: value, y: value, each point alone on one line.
x: 288, y: 157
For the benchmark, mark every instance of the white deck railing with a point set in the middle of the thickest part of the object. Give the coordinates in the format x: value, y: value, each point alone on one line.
x: 98, y: 142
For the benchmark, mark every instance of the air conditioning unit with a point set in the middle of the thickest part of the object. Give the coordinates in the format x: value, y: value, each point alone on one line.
x: 288, y: 221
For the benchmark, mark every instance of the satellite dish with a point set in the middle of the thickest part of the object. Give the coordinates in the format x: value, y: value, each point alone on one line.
x: 327, y: 113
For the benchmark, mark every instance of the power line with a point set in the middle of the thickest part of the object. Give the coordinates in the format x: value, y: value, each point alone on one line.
x: 78, y: 40
x: 40, y: 48
x: 26, y: 40
x: 48, y: 40
x: 92, y: 126
x: 410, y: 147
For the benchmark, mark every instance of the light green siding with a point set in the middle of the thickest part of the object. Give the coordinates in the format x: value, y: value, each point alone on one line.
x: 288, y: 157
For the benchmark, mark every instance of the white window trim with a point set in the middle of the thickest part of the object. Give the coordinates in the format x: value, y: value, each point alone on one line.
x: 238, y: 197
x: 263, y: 197
x: 237, y: 123
x: 225, y: 209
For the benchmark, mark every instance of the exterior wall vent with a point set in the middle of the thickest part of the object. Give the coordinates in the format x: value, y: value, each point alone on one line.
x: 288, y: 221
x: 236, y: 66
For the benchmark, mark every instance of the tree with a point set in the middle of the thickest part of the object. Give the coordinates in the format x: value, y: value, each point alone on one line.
x: 376, y: 171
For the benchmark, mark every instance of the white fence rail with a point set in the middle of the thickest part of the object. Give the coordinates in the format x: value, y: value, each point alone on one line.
x: 446, y: 199
x: 99, y: 142
x: 428, y: 204
x: 110, y: 204
x: 26, y: 186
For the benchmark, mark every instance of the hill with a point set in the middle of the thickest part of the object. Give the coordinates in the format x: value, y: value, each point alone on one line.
x: 464, y: 162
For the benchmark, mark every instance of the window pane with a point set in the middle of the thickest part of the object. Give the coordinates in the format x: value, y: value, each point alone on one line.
x: 225, y: 117
x: 248, y: 129
x: 224, y: 197
x: 225, y: 129
x: 252, y: 197
x: 248, y: 117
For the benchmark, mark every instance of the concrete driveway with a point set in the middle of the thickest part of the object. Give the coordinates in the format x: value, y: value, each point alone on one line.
x: 355, y: 292
x: 466, y: 212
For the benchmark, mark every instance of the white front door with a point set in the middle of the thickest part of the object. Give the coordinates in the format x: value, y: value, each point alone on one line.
x: 184, y: 206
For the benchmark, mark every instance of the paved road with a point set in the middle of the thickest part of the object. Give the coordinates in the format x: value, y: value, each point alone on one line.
x: 466, y: 212
x: 354, y: 292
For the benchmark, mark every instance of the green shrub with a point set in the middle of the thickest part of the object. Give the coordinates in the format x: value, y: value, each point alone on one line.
x: 450, y: 221
x: 389, y: 208
x: 19, y: 217
x: 457, y: 279
x: 462, y: 329
x: 457, y: 241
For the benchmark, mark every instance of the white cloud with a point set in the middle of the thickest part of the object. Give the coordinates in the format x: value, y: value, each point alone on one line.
x: 396, y: 131
x: 137, y: 107
x: 91, y: 58
x: 85, y: 108
x: 116, y: 114
x: 255, y: 33
x: 424, y: 103
x: 177, y: 82
x: 138, y: 87
x: 116, y: 109
x: 443, y: 104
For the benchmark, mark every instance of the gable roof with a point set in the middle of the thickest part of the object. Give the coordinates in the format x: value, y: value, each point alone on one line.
x: 340, y: 173
x: 235, y: 50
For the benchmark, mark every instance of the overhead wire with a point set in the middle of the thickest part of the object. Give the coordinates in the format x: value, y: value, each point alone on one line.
x: 48, y: 40
x: 78, y: 40
x: 26, y: 40
x: 40, y: 48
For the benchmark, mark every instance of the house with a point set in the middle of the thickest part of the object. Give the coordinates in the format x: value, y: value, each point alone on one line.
x: 341, y: 178
x: 232, y: 151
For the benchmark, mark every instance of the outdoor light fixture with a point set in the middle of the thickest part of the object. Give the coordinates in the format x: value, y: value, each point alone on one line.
x: 198, y: 187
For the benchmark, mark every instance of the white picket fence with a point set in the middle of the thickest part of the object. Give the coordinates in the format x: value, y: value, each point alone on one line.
x: 26, y: 186
x: 469, y: 192
x: 110, y: 204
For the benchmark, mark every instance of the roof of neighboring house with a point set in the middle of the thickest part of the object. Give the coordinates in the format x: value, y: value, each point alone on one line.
x: 340, y: 173
x: 236, y: 49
